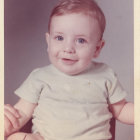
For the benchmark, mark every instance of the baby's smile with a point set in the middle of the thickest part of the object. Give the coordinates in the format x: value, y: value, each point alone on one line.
x: 68, y: 61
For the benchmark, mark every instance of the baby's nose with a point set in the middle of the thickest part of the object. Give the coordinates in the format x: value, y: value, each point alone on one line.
x: 69, y: 47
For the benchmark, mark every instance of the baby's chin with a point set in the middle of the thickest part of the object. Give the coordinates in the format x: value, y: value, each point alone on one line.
x: 69, y: 72
x: 72, y: 69
x: 72, y: 72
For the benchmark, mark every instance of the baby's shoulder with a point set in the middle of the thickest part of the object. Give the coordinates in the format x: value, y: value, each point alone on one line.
x: 102, y: 67
x: 40, y: 72
x: 103, y: 70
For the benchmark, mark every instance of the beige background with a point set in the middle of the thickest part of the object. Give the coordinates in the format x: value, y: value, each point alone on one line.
x: 1, y: 67
x: 25, y: 46
x: 137, y: 67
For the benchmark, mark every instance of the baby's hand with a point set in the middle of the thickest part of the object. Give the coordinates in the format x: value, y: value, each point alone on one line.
x: 11, y: 122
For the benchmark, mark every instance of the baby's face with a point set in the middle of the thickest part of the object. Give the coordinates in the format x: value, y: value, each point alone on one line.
x: 73, y: 41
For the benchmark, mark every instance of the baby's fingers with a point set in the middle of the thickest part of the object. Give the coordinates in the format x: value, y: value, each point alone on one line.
x: 8, y: 127
x: 11, y: 109
x: 11, y: 119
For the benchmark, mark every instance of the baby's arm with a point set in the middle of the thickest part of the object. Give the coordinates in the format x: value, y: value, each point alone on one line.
x: 123, y: 111
x: 17, y: 116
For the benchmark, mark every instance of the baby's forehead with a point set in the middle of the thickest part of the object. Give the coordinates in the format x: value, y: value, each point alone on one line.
x: 92, y: 18
x: 91, y: 14
x: 75, y: 24
x: 74, y: 18
x: 77, y: 16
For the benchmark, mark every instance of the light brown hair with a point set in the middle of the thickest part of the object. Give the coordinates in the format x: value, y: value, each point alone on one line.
x: 88, y: 7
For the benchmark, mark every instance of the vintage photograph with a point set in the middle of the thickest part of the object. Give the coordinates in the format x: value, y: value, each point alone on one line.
x: 69, y: 70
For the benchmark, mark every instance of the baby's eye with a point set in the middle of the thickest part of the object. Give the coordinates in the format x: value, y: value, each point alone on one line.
x: 59, y: 38
x: 81, y: 40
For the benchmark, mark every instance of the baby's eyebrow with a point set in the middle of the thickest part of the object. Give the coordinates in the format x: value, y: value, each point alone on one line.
x: 85, y: 36
x: 58, y: 32
x: 81, y: 35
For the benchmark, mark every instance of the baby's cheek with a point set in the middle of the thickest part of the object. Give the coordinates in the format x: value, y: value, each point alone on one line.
x: 53, y: 51
x: 87, y: 55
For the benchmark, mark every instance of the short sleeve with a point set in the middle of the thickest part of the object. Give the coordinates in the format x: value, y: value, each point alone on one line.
x: 31, y: 88
x: 116, y: 92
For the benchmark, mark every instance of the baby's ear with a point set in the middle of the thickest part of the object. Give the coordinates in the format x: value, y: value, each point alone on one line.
x: 99, y: 47
x: 47, y: 40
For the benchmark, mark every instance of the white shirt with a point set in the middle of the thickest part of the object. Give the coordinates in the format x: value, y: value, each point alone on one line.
x: 72, y: 107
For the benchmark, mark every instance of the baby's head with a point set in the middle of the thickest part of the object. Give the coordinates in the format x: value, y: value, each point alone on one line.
x: 74, y: 35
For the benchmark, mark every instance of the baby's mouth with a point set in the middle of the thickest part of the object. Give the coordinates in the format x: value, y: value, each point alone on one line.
x: 68, y: 61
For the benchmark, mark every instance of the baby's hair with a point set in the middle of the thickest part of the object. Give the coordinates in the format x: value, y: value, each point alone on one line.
x: 87, y: 7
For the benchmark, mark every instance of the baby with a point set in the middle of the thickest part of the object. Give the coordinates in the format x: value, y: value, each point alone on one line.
x: 74, y: 97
